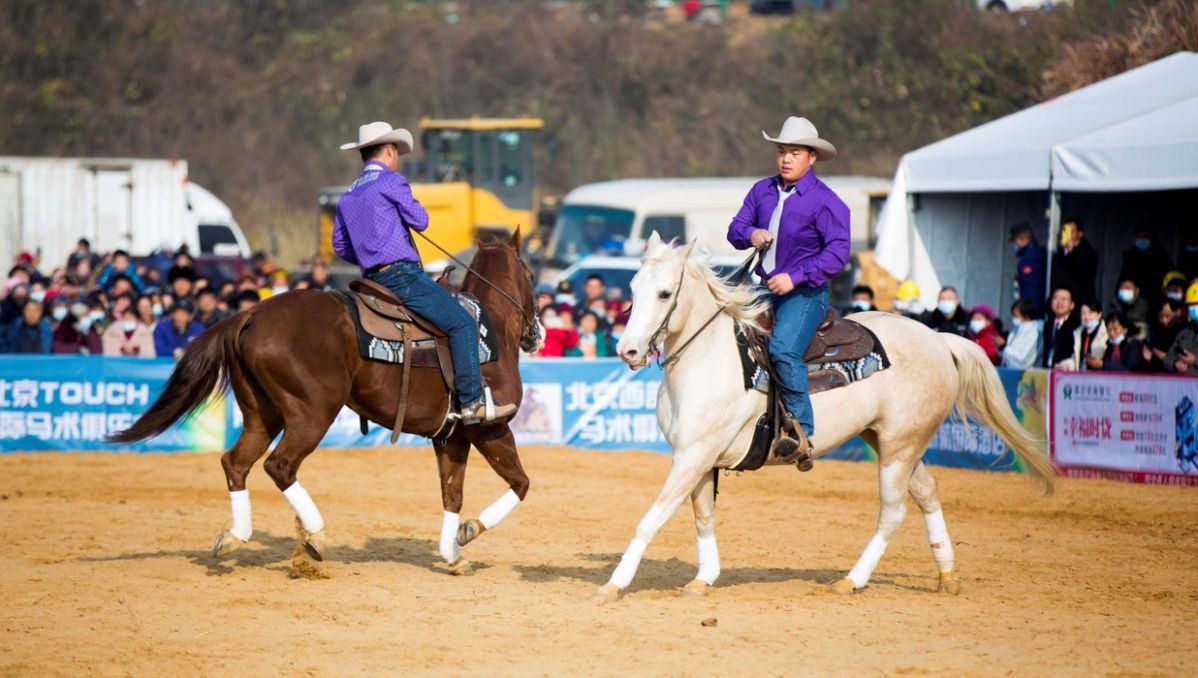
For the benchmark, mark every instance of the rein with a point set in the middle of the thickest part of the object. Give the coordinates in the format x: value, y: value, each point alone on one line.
x: 528, y: 321
x: 740, y: 275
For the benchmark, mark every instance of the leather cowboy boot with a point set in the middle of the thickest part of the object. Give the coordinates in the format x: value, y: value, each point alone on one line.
x: 486, y: 411
x: 793, y: 446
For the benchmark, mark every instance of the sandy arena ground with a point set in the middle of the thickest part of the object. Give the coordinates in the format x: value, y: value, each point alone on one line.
x: 106, y: 570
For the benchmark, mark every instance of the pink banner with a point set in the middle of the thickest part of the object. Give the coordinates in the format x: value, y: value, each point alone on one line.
x: 1124, y: 426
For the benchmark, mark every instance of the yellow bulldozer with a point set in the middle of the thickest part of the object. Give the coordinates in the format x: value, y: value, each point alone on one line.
x: 473, y: 175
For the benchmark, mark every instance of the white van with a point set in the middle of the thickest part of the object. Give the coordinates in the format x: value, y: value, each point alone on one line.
x: 615, y: 217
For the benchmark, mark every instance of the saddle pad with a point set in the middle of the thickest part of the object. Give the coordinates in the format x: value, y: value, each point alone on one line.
x: 389, y: 351
x: 757, y: 377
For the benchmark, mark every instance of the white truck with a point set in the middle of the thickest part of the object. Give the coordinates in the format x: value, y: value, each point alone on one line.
x: 137, y: 205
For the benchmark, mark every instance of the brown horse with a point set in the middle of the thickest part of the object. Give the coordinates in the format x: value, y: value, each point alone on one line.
x: 293, y: 363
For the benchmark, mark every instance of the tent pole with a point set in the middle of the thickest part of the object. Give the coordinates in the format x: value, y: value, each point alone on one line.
x: 1054, y: 235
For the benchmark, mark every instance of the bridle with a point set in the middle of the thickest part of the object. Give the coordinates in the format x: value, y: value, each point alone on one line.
x: 532, y: 328
x: 740, y: 275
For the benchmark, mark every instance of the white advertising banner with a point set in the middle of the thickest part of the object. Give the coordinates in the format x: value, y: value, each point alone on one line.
x: 1135, y: 427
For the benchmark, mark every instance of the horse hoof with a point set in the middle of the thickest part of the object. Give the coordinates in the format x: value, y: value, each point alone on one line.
x: 461, y: 568
x: 469, y: 531
x: 949, y: 583
x: 843, y: 586
x: 695, y: 588
x: 314, y: 546
x: 226, y: 543
x: 608, y: 593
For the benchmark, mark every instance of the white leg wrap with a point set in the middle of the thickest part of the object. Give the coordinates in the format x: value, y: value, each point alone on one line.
x: 625, y: 571
x: 449, y: 536
x: 709, y: 560
x: 868, y: 561
x: 495, y: 513
x: 242, y: 526
x: 308, y: 514
x: 942, y: 546
x: 489, y: 404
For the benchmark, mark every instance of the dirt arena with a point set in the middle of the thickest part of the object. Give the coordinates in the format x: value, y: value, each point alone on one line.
x: 106, y: 570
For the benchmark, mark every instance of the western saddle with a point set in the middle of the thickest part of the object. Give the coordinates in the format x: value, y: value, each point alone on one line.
x: 836, y: 340
x: 381, y: 314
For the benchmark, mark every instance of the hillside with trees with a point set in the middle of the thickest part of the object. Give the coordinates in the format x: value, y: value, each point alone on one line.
x: 257, y: 95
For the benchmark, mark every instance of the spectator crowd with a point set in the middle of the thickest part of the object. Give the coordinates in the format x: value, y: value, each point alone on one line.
x: 154, y: 306
x: 116, y: 305
x: 1148, y: 323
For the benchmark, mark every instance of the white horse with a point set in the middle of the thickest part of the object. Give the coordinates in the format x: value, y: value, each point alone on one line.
x: 708, y: 417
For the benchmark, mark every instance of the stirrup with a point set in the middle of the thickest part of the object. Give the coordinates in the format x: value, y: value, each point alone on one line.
x: 490, y: 412
x: 793, y: 446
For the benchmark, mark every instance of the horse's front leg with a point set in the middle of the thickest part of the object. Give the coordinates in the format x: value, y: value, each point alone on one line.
x: 685, y: 474
x: 451, y: 464
x: 498, y: 446
x: 703, y: 502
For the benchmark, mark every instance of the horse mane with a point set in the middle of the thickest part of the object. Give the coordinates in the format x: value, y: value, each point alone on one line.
x: 743, y: 303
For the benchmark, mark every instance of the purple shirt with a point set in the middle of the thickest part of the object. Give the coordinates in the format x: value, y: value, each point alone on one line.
x: 373, y: 217
x: 813, y: 236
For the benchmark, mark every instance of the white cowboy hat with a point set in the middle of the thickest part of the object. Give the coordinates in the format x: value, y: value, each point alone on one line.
x: 800, y: 132
x: 376, y: 133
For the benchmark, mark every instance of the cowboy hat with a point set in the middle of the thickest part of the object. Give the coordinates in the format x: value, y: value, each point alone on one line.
x: 376, y: 133
x: 800, y: 132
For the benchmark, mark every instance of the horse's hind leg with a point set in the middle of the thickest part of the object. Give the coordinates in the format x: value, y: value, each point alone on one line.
x: 302, y: 433
x: 498, y: 446
x: 255, y: 437
x: 923, y: 490
x: 894, y: 475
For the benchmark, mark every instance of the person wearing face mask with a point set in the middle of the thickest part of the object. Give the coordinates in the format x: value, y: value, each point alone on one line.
x: 862, y: 300
x: 982, y: 332
x: 128, y: 336
x: 280, y: 282
x: 1030, y: 260
x: 907, y: 304
x: 1132, y: 304
x: 1027, y: 336
x: 564, y: 297
x: 1182, y: 357
x: 1089, y: 340
x: 1144, y: 263
x: 1124, y: 351
x: 68, y: 335
x: 1174, y: 286
x: 31, y: 333
x: 949, y: 316
x: 558, y: 337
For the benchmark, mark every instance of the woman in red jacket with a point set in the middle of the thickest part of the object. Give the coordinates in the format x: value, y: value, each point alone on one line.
x: 560, y: 333
x: 982, y: 332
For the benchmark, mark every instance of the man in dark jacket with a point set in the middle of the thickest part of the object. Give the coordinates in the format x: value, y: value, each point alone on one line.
x: 1029, y: 265
x: 1075, y: 265
x: 949, y: 316
x: 1058, y: 329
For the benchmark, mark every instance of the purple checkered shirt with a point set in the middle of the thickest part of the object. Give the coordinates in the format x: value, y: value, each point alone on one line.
x: 813, y: 236
x: 373, y: 217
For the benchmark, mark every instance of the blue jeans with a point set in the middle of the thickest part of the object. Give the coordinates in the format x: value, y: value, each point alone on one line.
x: 797, y: 316
x: 430, y: 301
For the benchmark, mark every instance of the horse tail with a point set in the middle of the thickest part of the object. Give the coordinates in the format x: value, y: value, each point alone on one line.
x: 203, y: 369
x: 980, y: 395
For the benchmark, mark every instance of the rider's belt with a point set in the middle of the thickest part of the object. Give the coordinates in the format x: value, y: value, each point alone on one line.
x: 381, y: 267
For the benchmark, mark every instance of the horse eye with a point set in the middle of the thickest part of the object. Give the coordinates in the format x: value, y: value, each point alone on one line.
x: 663, y: 295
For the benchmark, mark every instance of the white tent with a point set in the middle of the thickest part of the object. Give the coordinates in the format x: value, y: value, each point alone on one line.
x: 1137, y: 131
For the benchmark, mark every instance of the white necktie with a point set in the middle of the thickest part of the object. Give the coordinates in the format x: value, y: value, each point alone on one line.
x: 771, y: 256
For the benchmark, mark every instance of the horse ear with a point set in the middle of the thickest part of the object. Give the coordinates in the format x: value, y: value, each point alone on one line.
x: 515, y: 244
x: 686, y: 251
x: 654, y: 241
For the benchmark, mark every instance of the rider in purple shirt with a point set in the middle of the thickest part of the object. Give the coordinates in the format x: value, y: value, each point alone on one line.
x: 806, y: 229
x: 371, y: 229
